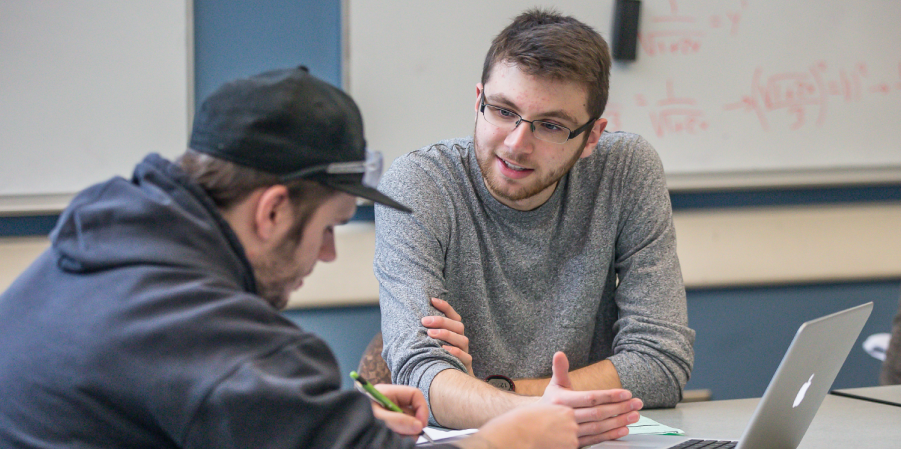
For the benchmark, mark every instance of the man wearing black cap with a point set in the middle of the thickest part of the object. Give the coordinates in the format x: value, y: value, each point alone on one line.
x: 152, y: 321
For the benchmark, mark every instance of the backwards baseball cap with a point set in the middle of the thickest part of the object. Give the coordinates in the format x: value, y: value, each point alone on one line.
x: 294, y: 125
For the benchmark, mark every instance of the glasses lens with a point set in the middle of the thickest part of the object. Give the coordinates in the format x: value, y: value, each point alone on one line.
x: 551, y: 132
x: 373, y: 169
x: 500, y: 117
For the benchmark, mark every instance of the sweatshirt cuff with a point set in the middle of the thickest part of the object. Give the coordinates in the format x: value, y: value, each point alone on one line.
x: 427, y: 374
x: 649, y: 383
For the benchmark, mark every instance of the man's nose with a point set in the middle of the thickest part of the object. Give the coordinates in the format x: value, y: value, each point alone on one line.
x: 520, y: 138
x: 327, y: 252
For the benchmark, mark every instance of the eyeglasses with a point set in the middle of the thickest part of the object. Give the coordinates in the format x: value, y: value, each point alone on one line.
x: 371, y: 169
x: 508, y: 120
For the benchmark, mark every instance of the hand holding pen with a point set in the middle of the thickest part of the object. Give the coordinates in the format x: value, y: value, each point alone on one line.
x: 389, y: 412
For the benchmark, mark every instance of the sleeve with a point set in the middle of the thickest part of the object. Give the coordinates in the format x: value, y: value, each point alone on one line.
x: 287, y: 399
x: 653, y: 345
x: 409, y: 265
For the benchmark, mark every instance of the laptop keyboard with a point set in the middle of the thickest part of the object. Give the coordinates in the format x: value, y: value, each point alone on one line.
x: 705, y: 444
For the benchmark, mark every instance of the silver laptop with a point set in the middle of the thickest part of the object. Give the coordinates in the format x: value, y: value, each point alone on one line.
x: 796, y: 391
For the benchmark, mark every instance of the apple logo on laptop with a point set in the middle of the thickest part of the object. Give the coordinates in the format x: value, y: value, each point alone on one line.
x: 802, y: 392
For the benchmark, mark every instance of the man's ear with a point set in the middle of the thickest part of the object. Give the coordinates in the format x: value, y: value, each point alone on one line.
x: 273, y: 213
x: 479, y: 88
x: 594, y: 136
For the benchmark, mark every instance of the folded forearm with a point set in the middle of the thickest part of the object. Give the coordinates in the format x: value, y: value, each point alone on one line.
x: 597, y: 376
x: 460, y: 401
x: 658, y: 383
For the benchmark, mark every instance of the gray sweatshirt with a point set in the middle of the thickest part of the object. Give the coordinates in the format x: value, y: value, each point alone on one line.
x: 593, y: 272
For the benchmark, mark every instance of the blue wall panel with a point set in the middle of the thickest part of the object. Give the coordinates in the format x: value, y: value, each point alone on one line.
x: 237, y: 38
x: 742, y: 334
x: 347, y: 330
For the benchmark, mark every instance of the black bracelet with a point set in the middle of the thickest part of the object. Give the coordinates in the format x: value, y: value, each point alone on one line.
x: 501, y: 382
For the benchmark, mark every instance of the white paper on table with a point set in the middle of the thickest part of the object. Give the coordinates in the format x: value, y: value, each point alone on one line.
x: 438, y: 434
x: 647, y: 426
x: 644, y: 426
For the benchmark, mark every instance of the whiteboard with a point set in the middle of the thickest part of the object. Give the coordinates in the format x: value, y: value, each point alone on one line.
x: 88, y: 88
x: 731, y: 93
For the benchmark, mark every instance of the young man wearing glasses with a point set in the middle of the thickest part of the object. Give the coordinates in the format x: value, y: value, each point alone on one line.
x: 545, y: 234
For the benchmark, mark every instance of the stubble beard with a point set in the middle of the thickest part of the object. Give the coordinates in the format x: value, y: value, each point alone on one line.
x: 486, y: 162
x: 272, y: 277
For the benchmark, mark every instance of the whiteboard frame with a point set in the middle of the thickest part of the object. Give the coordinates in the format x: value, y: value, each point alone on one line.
x: 780, y: 179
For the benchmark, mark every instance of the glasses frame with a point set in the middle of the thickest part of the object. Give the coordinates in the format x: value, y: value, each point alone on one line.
x: 371, y: 168
x: 572, y: 133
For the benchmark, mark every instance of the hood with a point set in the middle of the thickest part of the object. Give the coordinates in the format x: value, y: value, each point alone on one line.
x: 159, y: 217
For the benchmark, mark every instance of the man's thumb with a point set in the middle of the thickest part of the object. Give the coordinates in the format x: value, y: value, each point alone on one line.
x: 560, y: 370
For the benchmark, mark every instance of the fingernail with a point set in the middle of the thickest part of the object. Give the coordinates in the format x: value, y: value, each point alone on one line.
x: 432, y: 332
x: 623, y: 432
x: 427, y: 320
x: 624, y: 395
x: 632, y: 418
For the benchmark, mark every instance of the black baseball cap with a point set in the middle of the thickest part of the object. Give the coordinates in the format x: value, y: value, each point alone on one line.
x: 294, y: 125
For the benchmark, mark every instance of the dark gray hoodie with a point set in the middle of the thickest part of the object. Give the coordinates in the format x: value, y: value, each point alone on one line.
x: 140, y: 327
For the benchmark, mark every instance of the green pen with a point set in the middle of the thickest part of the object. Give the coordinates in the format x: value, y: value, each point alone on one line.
x: 363, y: 386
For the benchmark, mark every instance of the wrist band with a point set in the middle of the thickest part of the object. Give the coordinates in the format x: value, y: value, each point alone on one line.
x: 501, y: 382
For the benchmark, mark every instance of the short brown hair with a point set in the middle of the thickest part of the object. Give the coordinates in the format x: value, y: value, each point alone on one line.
x: 543, y: 43
x: 227, y: 184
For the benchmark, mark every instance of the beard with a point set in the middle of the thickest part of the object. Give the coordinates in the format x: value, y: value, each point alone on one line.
x: 275, y: 275
x: 487, y: 159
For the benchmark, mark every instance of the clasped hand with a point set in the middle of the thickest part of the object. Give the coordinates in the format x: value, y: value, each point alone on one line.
x: 450, y: 329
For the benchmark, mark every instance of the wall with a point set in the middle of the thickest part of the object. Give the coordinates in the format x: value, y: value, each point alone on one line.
x: 802, y: 253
